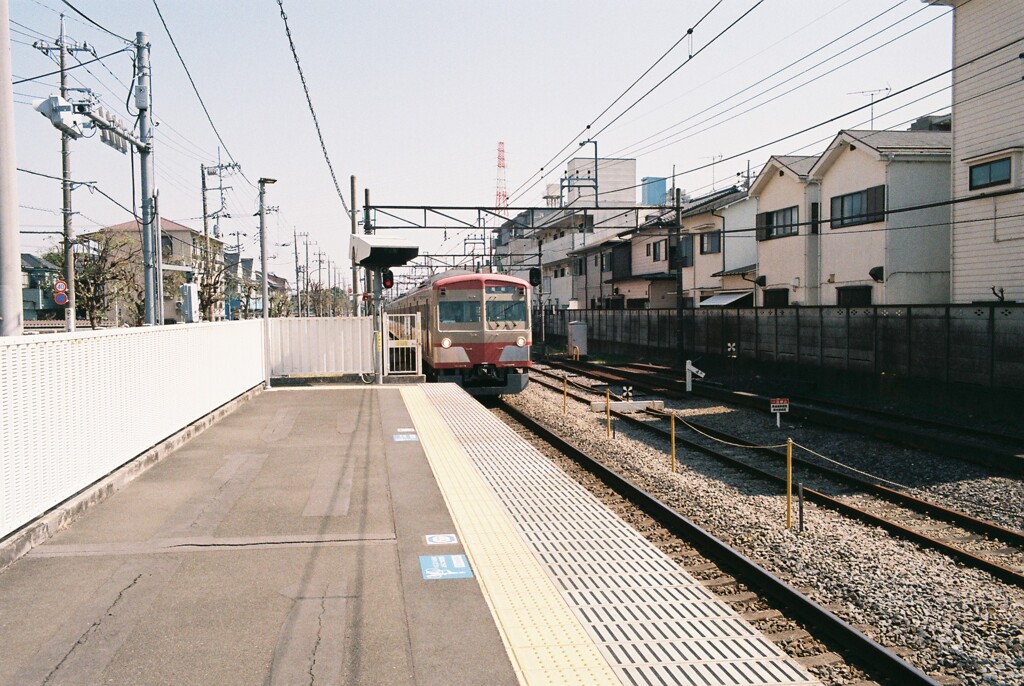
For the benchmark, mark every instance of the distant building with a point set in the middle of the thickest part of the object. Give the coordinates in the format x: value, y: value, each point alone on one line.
x: 37, y: 278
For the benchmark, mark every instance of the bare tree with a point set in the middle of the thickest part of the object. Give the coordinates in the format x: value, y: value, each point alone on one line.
x: 107, y: 271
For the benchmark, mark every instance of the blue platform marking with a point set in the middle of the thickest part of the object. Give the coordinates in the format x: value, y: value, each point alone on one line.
x: 441, y: 539
x: 445, y: 567
x: 405, y: 437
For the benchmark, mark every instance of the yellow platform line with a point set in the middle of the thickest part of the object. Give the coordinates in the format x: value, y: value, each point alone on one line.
x: 545, y: 641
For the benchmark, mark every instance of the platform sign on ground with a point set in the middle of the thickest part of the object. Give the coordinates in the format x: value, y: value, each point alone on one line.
x: 441, y: 539
x: 445, y: 567
x: 405, y: 437
x: 779, y: 405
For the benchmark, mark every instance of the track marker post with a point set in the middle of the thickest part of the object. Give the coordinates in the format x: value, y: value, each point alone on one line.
x: 565, y: 392
x: 672, y: 421
x: 789, y: 483
x: 608, y: 409
x: 800, y: 497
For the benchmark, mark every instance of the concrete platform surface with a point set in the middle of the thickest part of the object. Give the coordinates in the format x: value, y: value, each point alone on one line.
x: 282, y: 546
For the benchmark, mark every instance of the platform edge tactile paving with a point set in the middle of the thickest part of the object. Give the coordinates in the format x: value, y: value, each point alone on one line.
x: 544, y: 638
x: 545, y: 505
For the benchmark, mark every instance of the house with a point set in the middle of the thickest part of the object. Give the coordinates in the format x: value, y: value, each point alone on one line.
x: 184, y: 254
x: 716, y: 236
x: 37, y: 278
x: 592, y: 272
x: 873, y: 249
x: 574, y: 219
x: 987, y: 238
x: 788, y: 211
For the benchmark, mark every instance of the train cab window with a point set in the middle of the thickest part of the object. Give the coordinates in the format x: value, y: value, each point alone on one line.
x: 506, y: 311
x: 458, y: 312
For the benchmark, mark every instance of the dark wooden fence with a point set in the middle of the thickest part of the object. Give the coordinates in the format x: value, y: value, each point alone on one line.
x: 980, y: 345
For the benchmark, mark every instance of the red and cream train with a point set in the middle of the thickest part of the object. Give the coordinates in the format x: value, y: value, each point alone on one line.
x: 474, y: 329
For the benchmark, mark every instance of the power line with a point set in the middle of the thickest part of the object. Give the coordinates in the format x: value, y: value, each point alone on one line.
x: 309, y: 101
x: 689, y: 59
x: 54, y: 73
x: 192, y: 81
x: 97, y: 25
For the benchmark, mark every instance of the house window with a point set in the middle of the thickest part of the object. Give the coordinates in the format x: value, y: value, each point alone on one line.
x: 579, y: 266
x: 606, y: 262
x: 685, y: 251
x: 994, y: 173
x: 710, y: 242
x: 596, y: 258
x: 853, y: 296
x: 648, y: 249
x: 656, y: 251
x: 779, y: 223
x: 776, y: 297
x: 862, y: 207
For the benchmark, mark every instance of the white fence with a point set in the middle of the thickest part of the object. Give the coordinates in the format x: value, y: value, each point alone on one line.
x: 75, y: 406
x: 321, y: 345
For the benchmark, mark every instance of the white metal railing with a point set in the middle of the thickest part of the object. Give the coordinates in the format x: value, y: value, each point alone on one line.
x: 402, y: 344
x: 75, y: 406
x: 321, y: 345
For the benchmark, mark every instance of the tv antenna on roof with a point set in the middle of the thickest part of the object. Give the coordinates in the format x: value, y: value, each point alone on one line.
x: 873, y: 93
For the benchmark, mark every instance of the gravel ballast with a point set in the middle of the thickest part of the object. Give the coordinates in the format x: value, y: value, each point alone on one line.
x: 951, y: 622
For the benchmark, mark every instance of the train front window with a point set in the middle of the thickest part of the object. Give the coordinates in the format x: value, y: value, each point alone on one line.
x: 501, y: 311
x: 458, y: 312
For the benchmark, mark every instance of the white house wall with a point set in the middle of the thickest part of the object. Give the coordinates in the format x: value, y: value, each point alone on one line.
x: 616, y: 181
x: 988, y: 234
x: 739, y: 248
x: 790, y: 261
x: 917, y: 243
x: 848, y: 253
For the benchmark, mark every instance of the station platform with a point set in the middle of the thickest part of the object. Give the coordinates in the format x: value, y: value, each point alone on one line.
x: 364, y: 535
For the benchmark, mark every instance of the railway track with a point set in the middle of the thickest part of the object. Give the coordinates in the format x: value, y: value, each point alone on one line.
x: 1000, y: 451
x: 734, y: 572
x: 926, y: 523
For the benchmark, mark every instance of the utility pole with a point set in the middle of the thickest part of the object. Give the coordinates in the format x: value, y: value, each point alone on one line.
x: 367, y: 229
x: 10, y: 252
x: 63, y: 49
x: 355, y: 269
x: 142, y: 103
x: 298, y: 283
x: 263, y: 183
x: 309, y: 312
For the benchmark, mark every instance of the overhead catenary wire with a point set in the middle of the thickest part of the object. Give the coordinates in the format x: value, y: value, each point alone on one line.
x: 191, y: 81
x: 96, y: 24
x: 76, y: 66
x: 312, y: 110
x: 689, y: 32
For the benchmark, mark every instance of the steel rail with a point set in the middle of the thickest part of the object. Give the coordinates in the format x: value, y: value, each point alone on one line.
x: 880, y: 660
x: 999, y: 571
x: 898, y: 433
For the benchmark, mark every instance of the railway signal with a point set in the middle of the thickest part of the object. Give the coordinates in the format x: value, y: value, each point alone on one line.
x: 387, y: 278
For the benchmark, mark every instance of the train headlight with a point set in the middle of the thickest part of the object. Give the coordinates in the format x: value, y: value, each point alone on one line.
x: 521, y: 342
x: 446, y: 343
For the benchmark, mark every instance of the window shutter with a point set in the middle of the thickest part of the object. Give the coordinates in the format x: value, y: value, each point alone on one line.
x: 876, y: 204
x: 761, y: 222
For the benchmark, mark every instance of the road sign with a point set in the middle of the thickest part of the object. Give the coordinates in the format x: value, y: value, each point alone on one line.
x: 60, y: 286
x: 60, y: 298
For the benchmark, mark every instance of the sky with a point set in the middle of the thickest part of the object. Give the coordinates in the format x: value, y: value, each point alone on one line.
x: 413, y: 98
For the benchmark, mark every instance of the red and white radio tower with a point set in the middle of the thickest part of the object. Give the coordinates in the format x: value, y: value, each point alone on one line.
x: 501, y: 195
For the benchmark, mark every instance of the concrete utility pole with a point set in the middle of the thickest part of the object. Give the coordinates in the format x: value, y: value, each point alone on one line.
x: 10, y: 246
x: 263, y: 183
x: 298, y: 283
x: 63, y: 49
x: 355, y: 269
x: 367, y: 229
x: 142, y: 104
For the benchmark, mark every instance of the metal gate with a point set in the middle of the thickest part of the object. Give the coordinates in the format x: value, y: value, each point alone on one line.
x: 402, y: 344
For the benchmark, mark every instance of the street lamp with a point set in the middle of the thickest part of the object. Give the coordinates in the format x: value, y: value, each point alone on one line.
x: 263, y: 183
